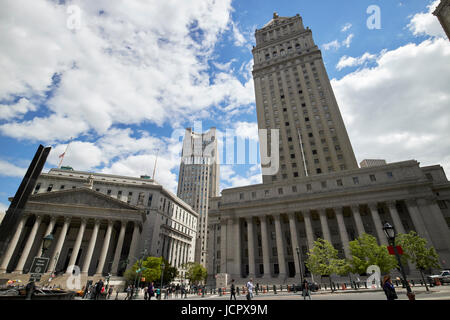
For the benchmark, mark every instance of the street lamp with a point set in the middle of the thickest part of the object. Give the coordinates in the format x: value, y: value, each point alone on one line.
x: 390, y: 234
x: 162, y: 277
x: 300, y: 264
x: 46, y: 243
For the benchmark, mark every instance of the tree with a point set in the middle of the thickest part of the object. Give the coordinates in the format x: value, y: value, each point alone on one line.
x: 415, y: 250
x: 365, y: 252
x: 323, y: 259
x: 151, y: 269
x: 195, y: 272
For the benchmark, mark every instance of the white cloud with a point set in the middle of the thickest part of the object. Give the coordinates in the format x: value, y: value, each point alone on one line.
x: 11, y: 170
x: 229, y: 178
x: 10, y: 111
x: 348, y: 40
x: 346, y: 27
x: 125, y: 66
x: 332, y: 45
x: 425, y: 23
x: 398, y: 110
x: 346, y: 61
x: 335, y: 44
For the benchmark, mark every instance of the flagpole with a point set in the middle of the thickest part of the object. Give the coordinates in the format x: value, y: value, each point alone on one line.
x: 154, y: 167
x: 64, y: 154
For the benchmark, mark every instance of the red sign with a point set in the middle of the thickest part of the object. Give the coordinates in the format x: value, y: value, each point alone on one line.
x: 391, y: 249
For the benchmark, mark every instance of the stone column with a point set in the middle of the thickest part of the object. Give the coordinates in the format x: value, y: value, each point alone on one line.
x: 223, y: 245
x: 91, y: 246
x: 49, y: 230
x: 358, y: 220
x: 77, y: 245
x: 378, y: 224
x: 295, y: 244
x: 265, y: 247
x: 251, y: 248
x: 104, y: 252
x: 308, y: 229
x: 417, y: 220
x: 231, y: 263
x: 441, y: 224
x: 237, y: 249
x: 13, y: 244
x: 343, y: 231
x: 133, y: 245
x: 395, y: 217
x: 26, y: 250
x: 324, y: 224
x: 59, y: 245
x: 115, y: 265
x: 280, y: 247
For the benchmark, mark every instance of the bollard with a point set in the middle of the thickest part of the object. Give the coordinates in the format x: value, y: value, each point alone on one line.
x: 274, y: 289
x: 365, y: 284
x: 237, y: 290
x: 220, y: 292
x: 281, y: 287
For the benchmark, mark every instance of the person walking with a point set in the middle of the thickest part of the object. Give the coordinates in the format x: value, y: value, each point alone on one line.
x: 305, y: 290
x: 150, y: 291
x: 110, y: 291
x: 250, y: 289
x: 232, y: 290
x: 128, y: 297
x: 388, y: 288
x: 98, y: 289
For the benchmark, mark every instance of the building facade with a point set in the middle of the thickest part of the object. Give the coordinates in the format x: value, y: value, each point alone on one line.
x: 199, y: 180
x: 101, y: 223
x: 442, y: 12
x: 294, y: 95
x: 264, y: 231
x: 255, y: 230
x: 372, y: 163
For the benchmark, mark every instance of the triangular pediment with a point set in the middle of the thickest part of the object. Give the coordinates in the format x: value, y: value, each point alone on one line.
x: 82, y: 197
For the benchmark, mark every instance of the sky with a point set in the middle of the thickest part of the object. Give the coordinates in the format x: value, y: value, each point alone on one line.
x: 121, y: 80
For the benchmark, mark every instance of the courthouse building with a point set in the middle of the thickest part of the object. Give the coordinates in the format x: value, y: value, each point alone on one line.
x: 101, y: 223
x: 318, y: 191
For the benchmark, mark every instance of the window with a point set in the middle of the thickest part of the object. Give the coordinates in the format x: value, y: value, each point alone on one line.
x: 295, y: 174
x: 429, y: 176
x: 442, y: 204
x: 308, y: 187
x: 62, y: 187
x: 266, y: 193
x: 241, y: 196
x: 318, y: 170
x: 294, y: 188
x: 280, y: 190
x: 372, y: 177
x: 253, y: 194
x: 339, y: 182
x: 150, y: 198
x: 292, y: 156
x: 355, y: 180
x: 108, y: 192
x: 38, y: 186
x: 324, y: 184
x: 390, y: 174
x: 50, y: 187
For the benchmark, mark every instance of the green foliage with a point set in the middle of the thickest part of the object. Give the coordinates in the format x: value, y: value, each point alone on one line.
x: 151, y: 270
x: 196, y: 273
x: 323, y: 259
x: 415, y: 250
x: 365, y: 251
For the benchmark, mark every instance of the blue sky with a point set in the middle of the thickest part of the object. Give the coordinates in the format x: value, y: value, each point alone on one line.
x: 121, y: 78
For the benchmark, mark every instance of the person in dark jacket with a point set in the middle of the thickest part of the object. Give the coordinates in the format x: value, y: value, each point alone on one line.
x: 232, y: 290
x: 98, y: 289
x: 150, y: 291
x: 388, y: 288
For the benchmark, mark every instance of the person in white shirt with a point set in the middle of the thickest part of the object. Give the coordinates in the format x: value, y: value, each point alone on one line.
x: 250, y: 289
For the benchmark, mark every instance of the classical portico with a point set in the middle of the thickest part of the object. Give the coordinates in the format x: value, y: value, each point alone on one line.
x: 95, y: 232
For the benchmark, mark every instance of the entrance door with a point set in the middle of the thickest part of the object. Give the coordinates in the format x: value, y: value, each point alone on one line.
x: 291, y: 267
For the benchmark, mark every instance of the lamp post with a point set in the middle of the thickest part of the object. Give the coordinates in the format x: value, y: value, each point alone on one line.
x: 46, y: 243
x: 390, y: 234
x: 162, y: 277
x: 300, y: 264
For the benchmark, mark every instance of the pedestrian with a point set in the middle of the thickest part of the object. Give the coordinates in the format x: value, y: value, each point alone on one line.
x: 145, y: 293
x: 305, y: 290
x: 250, y: 289
x: 158, y: 293
x: 98, y: 289
x: 110, y: 291
x: 29, y: 289
x: 388, y: 288
x: 232, y: 290
x: 150, y: 291
x: 128, y: 297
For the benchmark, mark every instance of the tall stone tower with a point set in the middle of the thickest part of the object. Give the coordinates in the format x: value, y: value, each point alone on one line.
x: 199, y: 180
x: 294, y: 94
